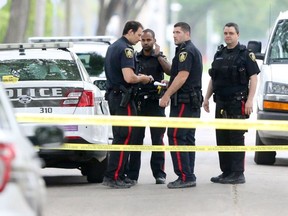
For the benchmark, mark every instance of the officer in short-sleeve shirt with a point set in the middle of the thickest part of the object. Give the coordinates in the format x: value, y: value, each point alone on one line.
x: 186, y: 99
x: 120, y: 73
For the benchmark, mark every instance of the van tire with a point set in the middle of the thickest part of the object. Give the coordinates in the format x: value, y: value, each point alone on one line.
x: 263, y: 158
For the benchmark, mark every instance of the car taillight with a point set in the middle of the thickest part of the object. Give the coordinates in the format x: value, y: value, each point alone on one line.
x: 80, y: 99
x: 6, y: 156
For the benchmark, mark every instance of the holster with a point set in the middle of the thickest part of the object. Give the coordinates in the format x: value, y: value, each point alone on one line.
x: 194, y: 98
x: 126, y: 96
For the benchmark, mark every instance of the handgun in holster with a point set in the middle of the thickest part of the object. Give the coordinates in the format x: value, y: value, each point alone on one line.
x: 126, y: 96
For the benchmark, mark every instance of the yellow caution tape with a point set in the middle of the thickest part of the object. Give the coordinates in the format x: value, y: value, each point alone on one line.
x: 114, y: 147
x: 140, y: 121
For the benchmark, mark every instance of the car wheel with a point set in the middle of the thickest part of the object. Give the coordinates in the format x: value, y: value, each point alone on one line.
x: 94, y: 170
x: 265, y: 158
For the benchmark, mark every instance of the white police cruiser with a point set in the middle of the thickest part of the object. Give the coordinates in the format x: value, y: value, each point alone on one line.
x: 48, y: 78
x: 90, y: 49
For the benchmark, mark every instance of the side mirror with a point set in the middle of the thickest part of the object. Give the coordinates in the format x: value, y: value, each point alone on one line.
x: 48, y: 136
x: 255, y: 47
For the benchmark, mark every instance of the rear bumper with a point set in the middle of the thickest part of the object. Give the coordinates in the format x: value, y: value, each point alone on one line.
x: 70, y: 158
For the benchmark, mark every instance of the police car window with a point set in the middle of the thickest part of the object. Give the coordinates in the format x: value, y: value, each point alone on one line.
x: 93, y: 62
x: 40, y: 69
x: 279, y: 45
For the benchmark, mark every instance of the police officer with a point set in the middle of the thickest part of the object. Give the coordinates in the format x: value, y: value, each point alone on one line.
x: 150, y: 62
x: 119, y: 69
x: 186, y: 99
x: 233, y: 82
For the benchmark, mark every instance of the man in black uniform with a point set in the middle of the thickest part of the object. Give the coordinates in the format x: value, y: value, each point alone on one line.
x: 186, y: 98
x: 233, y: 82
x: 119, y: 69
x: 150, y: 62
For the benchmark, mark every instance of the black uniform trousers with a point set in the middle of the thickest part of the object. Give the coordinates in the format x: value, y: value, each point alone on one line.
x: 121, y: 135
x: 148, y: 107
x: 183, y: 162
x: 230, y: 161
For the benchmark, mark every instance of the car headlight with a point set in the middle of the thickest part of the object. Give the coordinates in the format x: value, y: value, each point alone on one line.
x: 276, y: 96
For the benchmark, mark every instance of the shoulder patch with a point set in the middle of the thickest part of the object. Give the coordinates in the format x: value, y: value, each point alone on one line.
x: 129, y: 53
x: 252, y: 56
x: 182, y: 56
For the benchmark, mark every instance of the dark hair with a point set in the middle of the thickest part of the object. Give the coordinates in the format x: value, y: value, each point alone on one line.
x: 231, y: 24
x: 134, y: 25
x: 184, y: 26
x: 149, y: 31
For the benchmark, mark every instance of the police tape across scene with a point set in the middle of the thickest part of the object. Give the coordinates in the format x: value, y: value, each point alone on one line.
x: 140, y: 121
x: 105, y: 147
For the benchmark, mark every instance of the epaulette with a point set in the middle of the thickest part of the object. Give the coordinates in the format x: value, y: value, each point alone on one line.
x: 220, y: 48
x: 242, y: 47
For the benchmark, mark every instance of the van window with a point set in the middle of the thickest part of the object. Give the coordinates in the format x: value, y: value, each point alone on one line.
x: 279, y: 44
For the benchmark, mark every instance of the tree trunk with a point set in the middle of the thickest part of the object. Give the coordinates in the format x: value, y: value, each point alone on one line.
x: 107, y: 10
x: 39, y: 24
x: 19, y: 14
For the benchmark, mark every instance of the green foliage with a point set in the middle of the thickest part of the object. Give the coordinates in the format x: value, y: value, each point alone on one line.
x: 253, y: 17
x: 49, y: 19
x: 4, y: 17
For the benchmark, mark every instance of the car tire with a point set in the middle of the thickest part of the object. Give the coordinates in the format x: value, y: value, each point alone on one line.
x: 264, y: 158
x: 94, y: 170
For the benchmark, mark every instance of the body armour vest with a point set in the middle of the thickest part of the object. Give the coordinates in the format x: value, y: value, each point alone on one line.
x: 228, y: 70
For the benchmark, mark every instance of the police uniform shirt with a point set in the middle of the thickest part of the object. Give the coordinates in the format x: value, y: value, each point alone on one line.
x: 149, y: 65
x: 119, y: 55
x: 188, y: 58
x: 243, y: 60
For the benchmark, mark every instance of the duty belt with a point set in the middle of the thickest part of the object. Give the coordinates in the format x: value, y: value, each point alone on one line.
x: 237, y: 96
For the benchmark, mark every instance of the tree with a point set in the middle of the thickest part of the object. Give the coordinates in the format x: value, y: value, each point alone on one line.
x: 39, y: 24
x: 122, y: 8
x: 18, y: 21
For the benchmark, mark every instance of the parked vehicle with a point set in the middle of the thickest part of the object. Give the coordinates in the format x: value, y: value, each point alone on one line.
x: 90, y: 49
x: 272, y: 98
x: 48, y: 78
x: 22, y: 188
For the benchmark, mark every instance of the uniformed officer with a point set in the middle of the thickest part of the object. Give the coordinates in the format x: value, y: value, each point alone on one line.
x: 186, y: 99
x: 233, y: 82
x: 150, y: 62
x: 119, y: 69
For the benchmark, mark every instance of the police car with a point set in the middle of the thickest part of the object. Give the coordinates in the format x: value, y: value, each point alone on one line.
x: 47, y: 78
x: 90, y: 49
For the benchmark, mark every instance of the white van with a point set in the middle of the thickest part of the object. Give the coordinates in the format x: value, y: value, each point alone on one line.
x: 272, y: 98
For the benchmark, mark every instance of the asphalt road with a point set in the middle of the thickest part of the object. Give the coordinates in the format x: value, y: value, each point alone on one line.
x: 264, y: 193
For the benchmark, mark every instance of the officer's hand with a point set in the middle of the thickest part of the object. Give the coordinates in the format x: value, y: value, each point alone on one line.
x: 166, y: 82
x: 248, y: 107
x: 206, y: 105
x: 164, y: 101
x: 145, y: 79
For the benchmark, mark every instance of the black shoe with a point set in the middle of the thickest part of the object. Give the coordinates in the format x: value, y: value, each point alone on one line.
x: 181, y: 184
x: 233, y: 178
x: 217, y: 178
x: 160, y: 180
x: 115, y: 183
x: 132, y: 182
